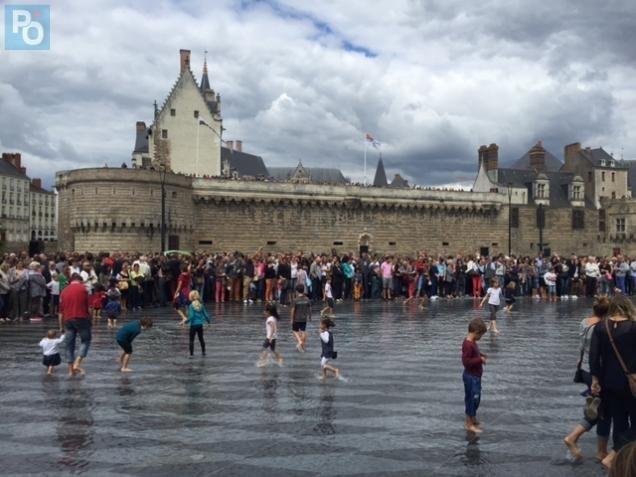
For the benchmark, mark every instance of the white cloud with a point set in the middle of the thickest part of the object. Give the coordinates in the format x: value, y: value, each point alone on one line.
x: 299, y: 79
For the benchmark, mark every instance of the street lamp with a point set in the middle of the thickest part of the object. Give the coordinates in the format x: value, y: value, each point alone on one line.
x: 541, y: 224
x: 220, y: 136
x: 509, y: 219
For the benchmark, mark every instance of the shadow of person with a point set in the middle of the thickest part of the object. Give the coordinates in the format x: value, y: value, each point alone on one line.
x: 326, y: 411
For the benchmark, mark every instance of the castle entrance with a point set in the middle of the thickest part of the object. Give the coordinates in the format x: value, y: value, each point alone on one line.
x: 364, y: 243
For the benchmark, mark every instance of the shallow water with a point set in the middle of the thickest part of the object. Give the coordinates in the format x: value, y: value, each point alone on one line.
x: 399, y: 413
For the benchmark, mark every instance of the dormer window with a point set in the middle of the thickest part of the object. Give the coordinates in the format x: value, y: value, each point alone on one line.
x: 602, y: 162
x: 576, y: 192
x: 541, y: 191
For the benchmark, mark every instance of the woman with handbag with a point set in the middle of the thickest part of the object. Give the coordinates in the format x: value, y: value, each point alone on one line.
x: 612, y: 364
x: 591, y: 415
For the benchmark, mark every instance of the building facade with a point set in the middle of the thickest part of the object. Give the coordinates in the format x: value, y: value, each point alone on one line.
x: 28, y: 211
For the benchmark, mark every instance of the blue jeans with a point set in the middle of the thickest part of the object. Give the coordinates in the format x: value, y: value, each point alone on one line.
x: 71, y: 329
x: 472, y: 393
x: 620, y: 283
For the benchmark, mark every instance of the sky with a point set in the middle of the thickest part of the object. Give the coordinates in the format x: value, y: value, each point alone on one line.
x: 431, y: 80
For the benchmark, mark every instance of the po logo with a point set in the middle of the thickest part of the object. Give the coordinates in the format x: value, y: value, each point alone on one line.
x: 27, y: 27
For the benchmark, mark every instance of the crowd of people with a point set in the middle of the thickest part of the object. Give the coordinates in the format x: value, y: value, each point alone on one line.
x: 30, y: 286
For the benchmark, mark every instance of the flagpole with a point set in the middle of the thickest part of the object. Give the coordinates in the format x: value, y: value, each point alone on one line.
x: 365, y: 160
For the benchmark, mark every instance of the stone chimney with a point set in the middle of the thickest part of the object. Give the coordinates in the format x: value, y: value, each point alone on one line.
x: 185, y: 60
x: 570, y: 153
x: 37, y: 183
x: 489, y: 156
x: 482, y: 154
x: 230, y: 144
x: 537, y: 157
x: 15, y: 159
x: 238, y: 145
x: 141, y: 126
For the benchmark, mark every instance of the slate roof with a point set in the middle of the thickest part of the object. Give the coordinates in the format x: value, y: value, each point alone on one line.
x: 380, y: 175
x: 558, y: 181
x: 552, y: 163
x: 317, y: 175
x: 40, y: 190
x: 244, y: 164
x: 8, y: 169
x: 597, y: 156
x: 398, y: 182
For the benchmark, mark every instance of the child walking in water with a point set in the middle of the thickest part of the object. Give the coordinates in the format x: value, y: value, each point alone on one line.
x: 510, y: 296
x: 328, y: 353
x: 493, y: 296
x: 125, y: 337
x: 473, y: 361
x: 300, y: 314
x: 50, y: 345
x: 271, y: 332
x: 197, y: 315
x: 328, y: 298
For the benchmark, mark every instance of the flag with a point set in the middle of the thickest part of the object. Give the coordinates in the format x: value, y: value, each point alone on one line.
x: 372, y: 140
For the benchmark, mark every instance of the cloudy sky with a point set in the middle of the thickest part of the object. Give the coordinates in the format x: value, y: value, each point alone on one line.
x: 430, y: 79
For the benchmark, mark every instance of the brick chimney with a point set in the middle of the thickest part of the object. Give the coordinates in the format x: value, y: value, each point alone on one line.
x: 238, y: 145
x: 482, y: 154
x: 37, y: 183
x: 185, y: 60
x: 230, y: 145
x: 570, y: 153
x: 490, y: 156
x: 15, y: 159
x: 23, y: 171
x: 537, y: 157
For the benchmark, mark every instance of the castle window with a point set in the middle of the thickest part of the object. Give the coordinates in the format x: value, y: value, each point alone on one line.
x: 392, y: 244
x: 173, y: 112
x: 514, y: 217
x: 540, y: 191
x: 620, y: 225
x: 271, y: 242
x: 196, y: 114
x: 164, y: 134
x: 337, y: 242
x: 613, y: 195
x: 589, y: 176
x: 603, y: 176
x: 578, y: 219
x: 613, y: 176
x: 174, y: 195
x: 576, y: 192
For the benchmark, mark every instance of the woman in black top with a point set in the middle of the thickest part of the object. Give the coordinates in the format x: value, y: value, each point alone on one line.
x: 608, y: 378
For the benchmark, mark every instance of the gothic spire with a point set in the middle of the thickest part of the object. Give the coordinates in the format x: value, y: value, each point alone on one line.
x: 205, y: 82
x: 380, y: 175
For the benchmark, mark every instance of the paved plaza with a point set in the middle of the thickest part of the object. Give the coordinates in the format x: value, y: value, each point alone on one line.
x: 400, y: 413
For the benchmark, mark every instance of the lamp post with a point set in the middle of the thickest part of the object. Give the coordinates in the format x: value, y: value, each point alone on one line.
x: 220, y: 136
x: 162, y: 177
x: 541, y: 225
x: 509, y: 219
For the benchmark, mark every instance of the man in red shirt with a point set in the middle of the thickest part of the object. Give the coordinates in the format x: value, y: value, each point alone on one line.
x: 76, y: 319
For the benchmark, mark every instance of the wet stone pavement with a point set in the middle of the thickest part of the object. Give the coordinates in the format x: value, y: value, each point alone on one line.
x: 399, y: 414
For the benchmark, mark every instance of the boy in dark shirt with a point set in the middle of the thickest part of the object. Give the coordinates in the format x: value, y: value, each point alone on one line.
x: 300, y: 314
x: 473, y: 362
x: 125, y: 337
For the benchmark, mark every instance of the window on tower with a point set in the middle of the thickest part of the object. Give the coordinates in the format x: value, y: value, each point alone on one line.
x: 173, y: 112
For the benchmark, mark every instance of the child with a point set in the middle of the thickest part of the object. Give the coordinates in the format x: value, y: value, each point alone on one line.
x: 197, y: 315
x: 357, y: 289
x: 182, y: 293
x: 54, y: 288
x: 328, y: 353
x: 113, y: 307
x: 300, y: 314
x: 550, y: 279
x: 327, y: 297
x: 125, y: 337
x: 97, y: 300
x: 510, y: 296
x: 271, y: 330
x: 493, y: 295
x: 473, y: 362
x: 50, y: 350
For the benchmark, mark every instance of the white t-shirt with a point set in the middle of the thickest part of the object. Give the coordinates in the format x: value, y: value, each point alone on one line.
x: 271, y: 328
x: 324, y: 336
x: 328, y: 293
x: 54, y: 286
x: 494, y: 296
x: 550, y: 278
x: 51, y: 346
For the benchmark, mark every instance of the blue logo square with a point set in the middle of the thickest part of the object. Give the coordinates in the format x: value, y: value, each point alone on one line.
x: 27, y: 27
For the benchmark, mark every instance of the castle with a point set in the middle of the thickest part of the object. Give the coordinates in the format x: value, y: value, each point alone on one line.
x: 218, y: 197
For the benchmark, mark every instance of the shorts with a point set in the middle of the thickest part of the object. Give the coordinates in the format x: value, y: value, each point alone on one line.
x: 324, y: 362
x: 269, y: 344
x: 387, y: 283
x: 56, y: 299
x: 330, y: 302
x: 493, y: 311
x: 299, y: 326
x: 126, y: 346
x: 51, y: 360
x: 112, y: 316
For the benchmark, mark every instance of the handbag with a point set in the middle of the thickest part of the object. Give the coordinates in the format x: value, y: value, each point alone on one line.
x: 334, y: 355
x: 578, y: 374
x: 631, y: 377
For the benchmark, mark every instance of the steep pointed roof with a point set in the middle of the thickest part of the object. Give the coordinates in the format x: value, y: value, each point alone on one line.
x: 205, y: 82
x: 380, y: 175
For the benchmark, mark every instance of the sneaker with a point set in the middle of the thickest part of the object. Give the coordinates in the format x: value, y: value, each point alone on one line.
x: 245, y: 302
x: 574, y: 297
x: 591, y: 407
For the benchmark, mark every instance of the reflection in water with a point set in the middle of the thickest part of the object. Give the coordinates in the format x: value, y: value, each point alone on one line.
x: 297, y: 388
x: 326, y: 411
x: 269, y: 381
x: 75, y: 426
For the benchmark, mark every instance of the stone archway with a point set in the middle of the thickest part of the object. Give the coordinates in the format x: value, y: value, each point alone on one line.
x: 364, y: 242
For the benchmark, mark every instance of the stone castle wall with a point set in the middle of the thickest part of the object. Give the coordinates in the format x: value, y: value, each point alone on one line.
x: 119, y: 210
